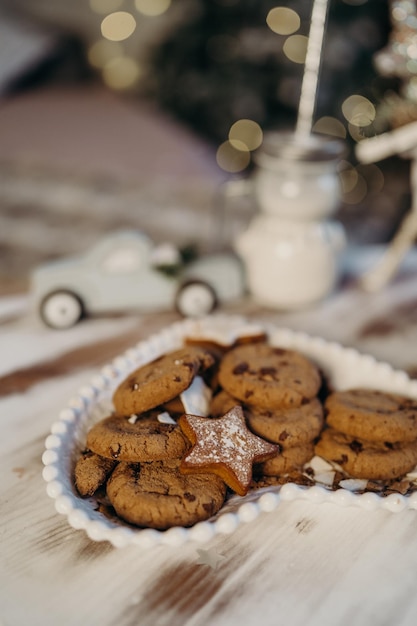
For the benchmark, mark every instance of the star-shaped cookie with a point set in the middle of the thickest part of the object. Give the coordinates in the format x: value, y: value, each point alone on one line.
x: 224, y: 446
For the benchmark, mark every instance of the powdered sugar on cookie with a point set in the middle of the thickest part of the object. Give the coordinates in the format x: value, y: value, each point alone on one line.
x: 225, y: 447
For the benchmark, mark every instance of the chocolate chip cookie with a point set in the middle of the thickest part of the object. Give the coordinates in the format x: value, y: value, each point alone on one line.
x: 91, y: 472
x: 287, y: 427
x: 289, y: 459
x: 157, y: 495
x: 143, y: 438
x: 367, y: 459
x: 161, y: 380
x: 374, y: 415
x: 269, y: 377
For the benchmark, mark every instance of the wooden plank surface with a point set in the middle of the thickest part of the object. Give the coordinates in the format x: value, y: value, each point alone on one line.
x: 304, y: 563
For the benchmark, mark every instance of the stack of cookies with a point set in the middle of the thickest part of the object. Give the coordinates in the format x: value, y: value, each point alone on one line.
x: 278, y: 391
x: 158, y: 463
x: 136, y: 452
x: 160, y: 466
x: 370, y: 434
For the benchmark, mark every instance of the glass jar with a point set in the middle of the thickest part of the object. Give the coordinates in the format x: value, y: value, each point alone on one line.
x: 291, y: 264
x: 298, y: 179
x: 291, y: 249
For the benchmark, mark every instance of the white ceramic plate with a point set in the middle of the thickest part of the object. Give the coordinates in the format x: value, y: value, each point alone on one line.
x: 343, y: 367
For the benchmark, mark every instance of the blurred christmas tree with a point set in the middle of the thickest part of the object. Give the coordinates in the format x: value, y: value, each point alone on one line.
x: 241, y: 59
x: 237, y: 59
x: 216, y: 63
x: 398, y: 63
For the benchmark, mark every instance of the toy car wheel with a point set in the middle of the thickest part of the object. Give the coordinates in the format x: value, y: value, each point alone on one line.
x: 61, y: 309
x: 195, y: 298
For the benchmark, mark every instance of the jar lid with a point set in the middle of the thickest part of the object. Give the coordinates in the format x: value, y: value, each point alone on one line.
x: 287, y: 146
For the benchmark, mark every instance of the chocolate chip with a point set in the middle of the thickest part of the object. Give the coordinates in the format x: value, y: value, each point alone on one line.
x: 356, y: 446
x: 268, y: 371
x: 136, y: 471
x: 283, y: 436
x: 240, y: 368
x: 189, y: 496
x: 389, y: 445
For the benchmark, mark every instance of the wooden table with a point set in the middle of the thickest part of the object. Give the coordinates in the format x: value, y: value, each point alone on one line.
x: 303, y: 563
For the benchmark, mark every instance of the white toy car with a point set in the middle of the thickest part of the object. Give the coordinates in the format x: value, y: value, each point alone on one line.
x: 125, y: 272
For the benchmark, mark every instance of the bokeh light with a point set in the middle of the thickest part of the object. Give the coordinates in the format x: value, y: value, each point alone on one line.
x: 412, y: 63
x: 358, y: 110
x: 330, y: 126
x: 412, y: 90
x: 358, y: 193
x: 353, y: 184
x: 231, y: 159
x: 399, y: 13
x: 245, y: 135
x: 283, y: 21
x: 121, y: 72
x: 348, y: 177
x: 118, y: 26
x: 103, y: 51
x: 295, y: 48
x: 373, y: 175
x: 356, y: 132
x: 104, y: 7
x: 152, y: 7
